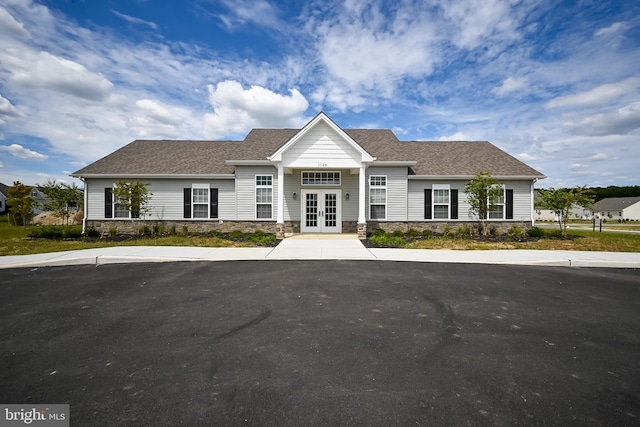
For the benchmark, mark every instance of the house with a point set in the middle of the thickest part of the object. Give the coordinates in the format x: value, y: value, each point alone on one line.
x: 4, y: 195
x: 541, y: 213
x: 318, y: 179
x: 618, y: 208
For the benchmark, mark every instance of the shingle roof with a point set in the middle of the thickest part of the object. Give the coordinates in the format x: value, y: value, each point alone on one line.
x: 434, y: 158
x: 615, y: 203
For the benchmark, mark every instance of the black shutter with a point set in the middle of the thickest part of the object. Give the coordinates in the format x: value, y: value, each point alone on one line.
x: 213, y: 203
x: 187, y: 202
x: 509, y: 207
x: 427, y: 203
x: 454, y: 204
x: 108, y: 203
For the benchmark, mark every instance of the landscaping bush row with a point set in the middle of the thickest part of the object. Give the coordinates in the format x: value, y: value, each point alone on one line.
x: 398, y: 238
x: 258, y: 237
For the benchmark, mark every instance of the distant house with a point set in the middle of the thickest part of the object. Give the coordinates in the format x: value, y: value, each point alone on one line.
x: 4, y: 195
x: 318, y: 179
x: 618, y: 208
x: 543, y: 214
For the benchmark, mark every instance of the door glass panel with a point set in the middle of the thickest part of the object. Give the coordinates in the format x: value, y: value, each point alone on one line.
x: 330, y: 210
x: 311, y: 211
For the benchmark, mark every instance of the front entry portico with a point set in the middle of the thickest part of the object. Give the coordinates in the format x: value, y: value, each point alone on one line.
x: 321, y: 211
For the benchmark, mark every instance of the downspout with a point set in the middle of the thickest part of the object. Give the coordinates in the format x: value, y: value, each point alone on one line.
x: 84, y: 208
x: 533, y: 207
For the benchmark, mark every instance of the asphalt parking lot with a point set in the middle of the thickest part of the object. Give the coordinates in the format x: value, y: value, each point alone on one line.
x: 292, y: 343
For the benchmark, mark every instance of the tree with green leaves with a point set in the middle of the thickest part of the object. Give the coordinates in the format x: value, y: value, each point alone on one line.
x: 483, y: 193
x: 20, y: 203
x: 562, y: 200
x: 61, y: 197
x: 133, y: 197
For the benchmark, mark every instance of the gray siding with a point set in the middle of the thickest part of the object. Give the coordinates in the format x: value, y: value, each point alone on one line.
x: 321, y: 145
x: 522, y: 209
x: 246, y: 191
x: 166, y: 201
x: 397, y: 189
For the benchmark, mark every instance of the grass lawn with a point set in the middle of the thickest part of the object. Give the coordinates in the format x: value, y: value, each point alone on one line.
x: 14, y: 240
x: 582, y: 240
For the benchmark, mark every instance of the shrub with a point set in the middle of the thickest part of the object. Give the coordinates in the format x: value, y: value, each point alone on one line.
x: 158, y: 230
x: 398, y: 233
x: 172, y: 230
x: 493, y: 231
x: 378, y: 232
x: 237, y: 235
x: 113, y: 231
x: 185, y: 230
x: 427, y: 233
x: 216, y: 233
x: 447, y: 230
x: 56, y: 232
x: 144, y: 230
x: 463, y: 231
x: 515, y: 232
x: 535, y: 232
x: 556, y: 234
x: 91, y: 231
x: 388, y: 240
x: 262, y: 238
x: 413, y: 232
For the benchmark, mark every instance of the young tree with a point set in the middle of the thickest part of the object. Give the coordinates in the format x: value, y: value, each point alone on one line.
x: 61, y: 196
x: 21, y: 203
x: 133, y: 197
x: 483, y: 193
x: 562, y: 200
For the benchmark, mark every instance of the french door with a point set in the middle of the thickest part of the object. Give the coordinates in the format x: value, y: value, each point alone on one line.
x: 321, y: 211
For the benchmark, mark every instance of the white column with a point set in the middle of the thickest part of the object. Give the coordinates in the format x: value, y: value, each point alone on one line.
x: 362, y: 219
x: 280, y: 215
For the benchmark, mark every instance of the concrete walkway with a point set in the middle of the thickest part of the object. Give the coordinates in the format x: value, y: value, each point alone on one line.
x: 319, y: 247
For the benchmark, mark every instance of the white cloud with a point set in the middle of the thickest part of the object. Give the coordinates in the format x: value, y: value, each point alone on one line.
x: 10, y: 27
x: 1, y: 165
x: 510, y: 85
x: 612, y: 29
x: 619, y: 122
x: 22, y: 152
x: 527, y: 157
x: 62, y: 75
x: 474, y: 21
x: 258, y: 12
x: 366, y: 52
x: 236, y: 110
x: 599, y: 95
x: 599, y: 157
x: 134, y: 20
x: 7, y: 109
x: 458, y: 136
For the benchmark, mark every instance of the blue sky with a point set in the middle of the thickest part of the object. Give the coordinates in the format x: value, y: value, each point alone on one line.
x: 554, y: 83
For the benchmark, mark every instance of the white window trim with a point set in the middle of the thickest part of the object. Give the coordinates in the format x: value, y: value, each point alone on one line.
x: 385, y: 186
x: 193, y: 203
x: 255, y: 195
x: 503, y: 204
x: 435, y: 187
x: 320, y: 184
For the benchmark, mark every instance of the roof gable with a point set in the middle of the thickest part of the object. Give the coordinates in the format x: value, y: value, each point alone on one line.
x: 320, y: 135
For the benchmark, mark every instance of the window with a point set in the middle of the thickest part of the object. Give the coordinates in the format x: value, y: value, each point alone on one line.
x: 200, y: 200
x: 440, y: 201
x: 497, y: 211
x: 378, y: 197
x: 264, y: 196
x: 119, y: 210
x: 320, y: 178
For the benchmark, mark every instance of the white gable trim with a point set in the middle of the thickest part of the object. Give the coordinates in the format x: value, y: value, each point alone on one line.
x: 322, y: 117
